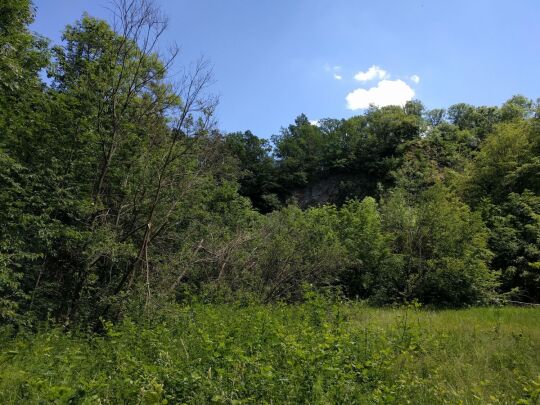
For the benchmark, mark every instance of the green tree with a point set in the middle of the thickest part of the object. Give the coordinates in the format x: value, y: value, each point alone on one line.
x: 369, y: 259
x: 23, y: 107
x: 442, y: 248
x: 515, y: 241
x: 507, y: 162
x: 257, y: 169
x: 299, y: 151
x: 117, y: 162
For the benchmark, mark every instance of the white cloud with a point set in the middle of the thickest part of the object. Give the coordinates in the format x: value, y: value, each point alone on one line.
x: 374, y: 72
x: 335, y: 70
x: 314, y: 122
x: 387, y: 92
x: 415, y: 79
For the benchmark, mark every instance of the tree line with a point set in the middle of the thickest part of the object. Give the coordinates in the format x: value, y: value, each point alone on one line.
x: 119, y: 194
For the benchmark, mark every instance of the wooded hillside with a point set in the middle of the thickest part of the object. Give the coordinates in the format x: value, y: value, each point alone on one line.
x: 119, y: 194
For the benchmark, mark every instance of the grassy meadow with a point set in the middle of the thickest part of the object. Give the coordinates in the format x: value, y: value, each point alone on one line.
x: 317, y: 352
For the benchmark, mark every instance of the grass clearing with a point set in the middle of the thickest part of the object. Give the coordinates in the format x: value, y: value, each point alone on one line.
x: 311, y: 353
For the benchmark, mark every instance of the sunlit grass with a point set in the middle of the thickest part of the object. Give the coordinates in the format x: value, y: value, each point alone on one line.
x: 312, y: 353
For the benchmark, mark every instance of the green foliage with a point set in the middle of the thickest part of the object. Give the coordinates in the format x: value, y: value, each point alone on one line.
x: 119, y: 196
x: 318, y: 352
x: 274, y: 256
x: 515, y: 240
x: 368, y: 249
x: 300, y: 148
x: 257, y: 170
x: 502, y: 181
x: 506, y: 162
x: 119, y: 200
x: 483, y: 154
x: 478, y: 120
x: 363, y: 149
x: 298, y: 247
x: 99, y: 181
x: 442, y: 248
x: 21, y: 53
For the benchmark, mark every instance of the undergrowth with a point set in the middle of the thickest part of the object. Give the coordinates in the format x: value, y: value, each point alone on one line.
x: 318, y: 352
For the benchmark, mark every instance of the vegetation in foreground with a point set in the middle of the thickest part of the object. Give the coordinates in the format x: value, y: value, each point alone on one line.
x: 116, y: 186
x: 119, y: 197
x: 317, y: 352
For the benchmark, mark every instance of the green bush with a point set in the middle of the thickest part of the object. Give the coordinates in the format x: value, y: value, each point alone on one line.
x: 322, y: 351
x: 441, y: 246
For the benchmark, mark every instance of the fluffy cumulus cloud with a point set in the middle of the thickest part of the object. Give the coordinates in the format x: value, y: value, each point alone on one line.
x: 415, y: 79
x: 374, y: 72
x: 386, y: 92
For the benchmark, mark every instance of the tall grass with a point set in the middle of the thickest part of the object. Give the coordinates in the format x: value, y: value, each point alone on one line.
x: 317, y: 352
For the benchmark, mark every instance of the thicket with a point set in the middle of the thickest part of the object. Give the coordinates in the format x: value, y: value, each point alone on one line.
x: 118, y: 195
x: 318, y: 352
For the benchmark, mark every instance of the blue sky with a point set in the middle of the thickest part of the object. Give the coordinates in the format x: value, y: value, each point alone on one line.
x: 275, y: 59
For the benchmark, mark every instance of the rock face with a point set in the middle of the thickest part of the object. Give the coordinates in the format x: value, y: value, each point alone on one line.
x: 333, y: 189
x: 320, y: 192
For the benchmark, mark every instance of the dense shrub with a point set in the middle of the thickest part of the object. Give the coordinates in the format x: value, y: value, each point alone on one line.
x: 318, y: 352
x: 441, y: 246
